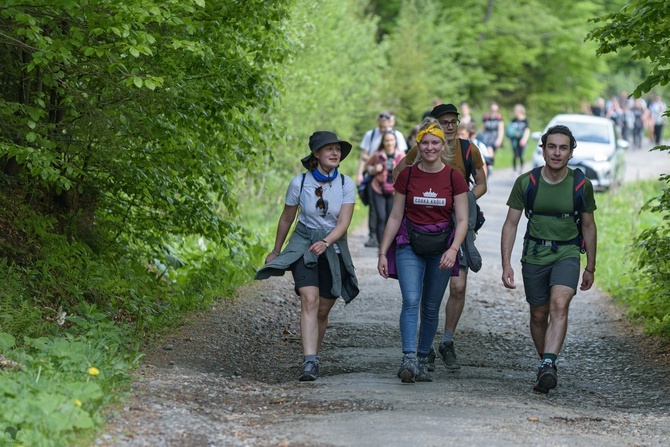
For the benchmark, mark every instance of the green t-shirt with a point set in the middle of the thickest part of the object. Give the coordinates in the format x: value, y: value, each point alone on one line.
x: 551, y: 199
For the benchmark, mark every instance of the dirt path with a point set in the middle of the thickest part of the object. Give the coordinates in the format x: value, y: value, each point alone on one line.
x: 228, y: 378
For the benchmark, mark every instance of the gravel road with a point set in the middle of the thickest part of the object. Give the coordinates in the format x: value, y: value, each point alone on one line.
x: 228, y: 377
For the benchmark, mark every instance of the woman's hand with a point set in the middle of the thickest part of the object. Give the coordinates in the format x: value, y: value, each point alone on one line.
x: 448, y: 259
x: 271, y: 257
x: 318, y: 248
x: 383, y: 266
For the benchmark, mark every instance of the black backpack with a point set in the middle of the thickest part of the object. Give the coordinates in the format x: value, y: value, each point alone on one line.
x: 466, y: 150
x: 579, y: 204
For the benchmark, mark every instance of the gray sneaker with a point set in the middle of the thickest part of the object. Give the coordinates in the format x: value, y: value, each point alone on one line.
x: 310, y: 371
x: 431, y: 359
x: 372, y: 242
x: 408, y: 369
x: 448, y: 354
x: 422, y: 375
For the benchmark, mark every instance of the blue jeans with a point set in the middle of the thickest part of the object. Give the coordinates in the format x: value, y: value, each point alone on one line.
x: 422, y: 283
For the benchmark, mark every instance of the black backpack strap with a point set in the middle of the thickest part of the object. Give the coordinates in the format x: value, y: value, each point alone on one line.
x: 302, y: 183
x: 579, y: 205
x: 531, y: 191
x: 466, y: 151
x: 372, y: 137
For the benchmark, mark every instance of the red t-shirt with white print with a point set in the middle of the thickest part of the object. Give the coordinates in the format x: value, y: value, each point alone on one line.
x: 430, y: 197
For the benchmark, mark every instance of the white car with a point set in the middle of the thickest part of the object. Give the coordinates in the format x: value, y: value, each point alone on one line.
x: 599, y: 152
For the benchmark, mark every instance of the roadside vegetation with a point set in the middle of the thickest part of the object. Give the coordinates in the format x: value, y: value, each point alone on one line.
x: 145, y: 147
x: 631, y: 270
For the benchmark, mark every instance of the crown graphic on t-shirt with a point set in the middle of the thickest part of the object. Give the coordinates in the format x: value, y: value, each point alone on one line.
x: 430, y: 193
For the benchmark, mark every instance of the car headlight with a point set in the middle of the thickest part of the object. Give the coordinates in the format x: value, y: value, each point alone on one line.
x: 600, y: 157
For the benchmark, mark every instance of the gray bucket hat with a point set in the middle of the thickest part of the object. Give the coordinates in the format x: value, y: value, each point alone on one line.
x: 319, y: 139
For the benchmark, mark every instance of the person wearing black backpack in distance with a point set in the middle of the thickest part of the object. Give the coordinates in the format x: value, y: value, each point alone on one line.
x: 369, y: 145
x: 317, y: 252
x: 559, y: 204
x: 468, y: 161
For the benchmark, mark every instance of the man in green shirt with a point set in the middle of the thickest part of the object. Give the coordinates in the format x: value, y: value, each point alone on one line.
x: 550, y: 264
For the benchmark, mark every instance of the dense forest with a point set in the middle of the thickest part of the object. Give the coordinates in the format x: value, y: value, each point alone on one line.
x: 145, y: 145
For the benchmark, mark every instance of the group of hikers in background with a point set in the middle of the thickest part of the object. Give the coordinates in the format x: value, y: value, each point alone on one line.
x: 633, y: 117
x: 422, y: 195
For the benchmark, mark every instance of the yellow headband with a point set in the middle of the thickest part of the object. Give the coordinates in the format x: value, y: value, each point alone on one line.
x: 433, y: 129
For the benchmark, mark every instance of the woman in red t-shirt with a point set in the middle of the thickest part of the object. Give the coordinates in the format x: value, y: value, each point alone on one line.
x: 427, y: 194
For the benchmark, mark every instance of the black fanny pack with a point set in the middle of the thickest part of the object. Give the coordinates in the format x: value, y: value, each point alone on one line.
x: 428, y: 244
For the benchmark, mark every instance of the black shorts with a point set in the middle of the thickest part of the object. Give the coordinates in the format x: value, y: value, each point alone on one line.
x: 317, y: 276
x: 539, y: 279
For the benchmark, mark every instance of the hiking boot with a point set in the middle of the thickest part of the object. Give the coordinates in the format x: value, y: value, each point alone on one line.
x: 431, y: 359
x: 448, y: 354
x: 547, y: 378
x: 408, y: 369
x: 310, y: 371
x: 422, y: 373
x: 372, y: 242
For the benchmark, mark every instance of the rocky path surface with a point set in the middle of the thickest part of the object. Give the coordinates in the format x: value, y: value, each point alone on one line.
x: 228, y: 378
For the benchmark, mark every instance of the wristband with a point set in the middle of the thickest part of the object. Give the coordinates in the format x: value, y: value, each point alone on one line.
x: 382, y: 254
x: 452, y: 248
x: 274, y: 252
x: 590, y: 271
x: 325, y: 242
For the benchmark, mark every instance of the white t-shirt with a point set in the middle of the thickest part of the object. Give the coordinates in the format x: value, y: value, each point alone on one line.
x: 373, y: 138
x: 334, y: 195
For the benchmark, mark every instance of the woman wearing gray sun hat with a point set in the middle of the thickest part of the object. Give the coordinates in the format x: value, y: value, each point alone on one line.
x: 317, y: 252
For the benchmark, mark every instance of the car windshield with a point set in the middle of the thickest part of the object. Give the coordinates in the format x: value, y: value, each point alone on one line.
x: 589, y: 132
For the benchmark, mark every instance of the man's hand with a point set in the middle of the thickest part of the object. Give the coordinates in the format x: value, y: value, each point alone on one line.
x: 508, y: 277
x: 587, y: 280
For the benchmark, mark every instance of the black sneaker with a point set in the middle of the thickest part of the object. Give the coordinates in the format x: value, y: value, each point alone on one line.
x: 448, y: 354
x: 547, y: 378
x: 408, y: 369
x: 431, y: 359
x: 310, y: 371
x: 422, y: 373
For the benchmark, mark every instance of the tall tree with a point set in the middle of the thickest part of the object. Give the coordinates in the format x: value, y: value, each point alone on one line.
x: 333, y: 81
x: 138, y: 113
x: 643, y: 26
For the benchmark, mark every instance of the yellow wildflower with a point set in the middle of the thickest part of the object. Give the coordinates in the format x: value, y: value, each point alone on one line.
x: 93, y: 371
x: 77, y: 402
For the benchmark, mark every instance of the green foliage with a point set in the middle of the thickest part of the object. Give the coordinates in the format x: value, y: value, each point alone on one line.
x: 632, y: 269
x: 333, y: 81
x: 62, y: 384
x: 417, y: 51
x: 145, y: 109
x: 643, y: 26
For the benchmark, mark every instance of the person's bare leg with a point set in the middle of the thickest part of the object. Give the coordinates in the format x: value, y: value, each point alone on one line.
x: 558, y: 318
x: 456, y: 302
x: 539, y: 321
x: 309, y: 325
x: 325, y: 305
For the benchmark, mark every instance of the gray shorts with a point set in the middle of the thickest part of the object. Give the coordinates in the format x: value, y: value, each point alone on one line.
x: 539, y: 279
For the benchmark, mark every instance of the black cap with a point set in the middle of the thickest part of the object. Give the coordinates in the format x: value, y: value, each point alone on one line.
x: 443, y: 109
